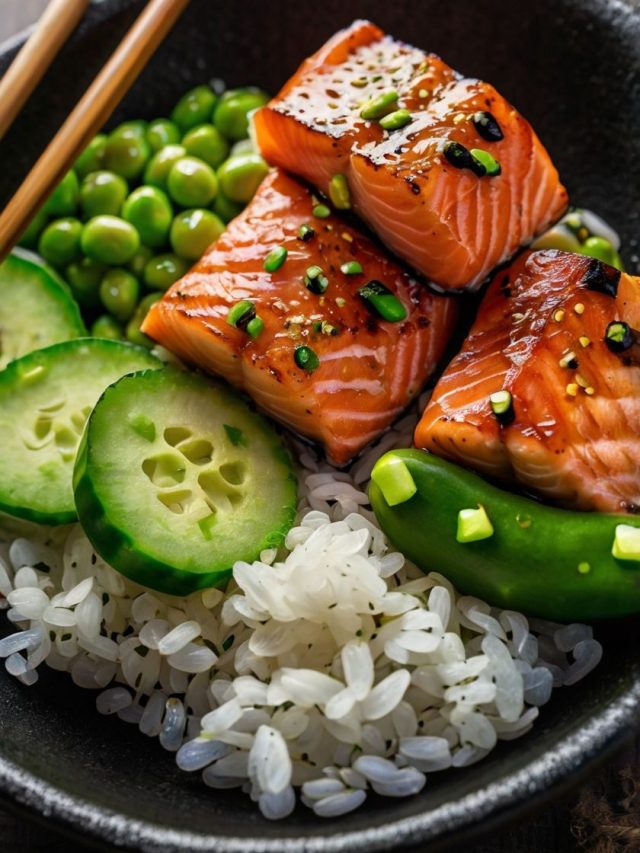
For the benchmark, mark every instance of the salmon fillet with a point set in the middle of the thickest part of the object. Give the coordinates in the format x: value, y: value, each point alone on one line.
x: 573, y: 434
x: 369, y: 369
x: 446, y: 221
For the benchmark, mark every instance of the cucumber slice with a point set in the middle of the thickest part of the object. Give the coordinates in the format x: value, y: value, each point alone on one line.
x: 176, y: 479
x: 36, y: 308
x: 45, y: 399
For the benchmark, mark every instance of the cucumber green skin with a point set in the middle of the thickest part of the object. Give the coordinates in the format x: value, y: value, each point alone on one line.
x: 129, y: 554
x: 534, y: 569
x: 9, y: 376
x: 61, y: 321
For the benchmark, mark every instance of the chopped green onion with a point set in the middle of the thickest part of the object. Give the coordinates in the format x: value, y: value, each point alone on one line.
x: 255, y: 327
x: 351, y: 268
x: 339, y: 192
x: 626, y: 543
x: 461, y: 158
x: 235, y: 435
x: 275, y: 259
x: 487, y: 126
x: 395, y: 120
x: 502, y: 406
x: 383, y: 301
x: 619, y: 336
x: 241, y: 313
x: 327, y: 329
x: 315, y: 280
x: 568, y: 359
x: 379, y: 106
x: 393, y: 478
x: 490, y: 165
x: 473, y: 525
x: 306, y: 359
x: 305, y: 233
x: 321, y: 211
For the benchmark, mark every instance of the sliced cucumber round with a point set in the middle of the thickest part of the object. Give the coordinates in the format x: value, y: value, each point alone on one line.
x: 36, y: 308
x: 176, y: 479
x: 45, y: 399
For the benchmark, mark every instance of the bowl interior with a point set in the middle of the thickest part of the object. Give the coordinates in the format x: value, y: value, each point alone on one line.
x: 573, y: 68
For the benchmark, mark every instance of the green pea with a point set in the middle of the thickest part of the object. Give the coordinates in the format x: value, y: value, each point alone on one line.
x: 149, y: 210
x: 119, y: 293
x: 161, y: 164
x: 136, y: 127
x: 193, y: 108
x: 192, y: 183
x: 110, y: 240
x: 84, y: 279
x: 163, y: 270
x: 241, y: 176
x: 603, y: 250
x: 139, y: 261
x: 225, y: 208
x: 102, y: 193
x: 162, y: 132
x: 63, y: 201
x: 133, y: 333
x: 92, y: 158
x: 59, y: 243
x: 207, y: 143
x: 193, y: 231
x: 107, y: 327
x: 127, y: 152
x: 29, y: 237
x: 231, y: 113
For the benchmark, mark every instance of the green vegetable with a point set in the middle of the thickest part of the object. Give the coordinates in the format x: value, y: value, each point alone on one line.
x: 395, y: 120
x: 558, y: 237
x: 241, y: 313
x: 275, y: 259
x: 84, y: 279
x: 63, y: 201
x: 379, y: 106
x: 92, y: 158
x: 29, y: 237
x: 193, y: 231
x: 339, y: 192
x: 127, y: 152
x: 192, y: 183
x: 321, y: 211
x: 207, y: 143
x: 110, y: 240
x: 473, y: 525
x: 59, y: 243
x: 119, y: 293
x: 225, y: 208
x: 150, y: 212
x: 351, y: 268
x: 315, y: 280
x: 36, y: 309
x: 535, y: 560
x: 306, y: 359
x: 162, y: 132
x: 231, y: 115
x: 132, y: 332
x: 501, y: 403
x: 619, y: 336
x: 489, y: 163
x: 600, y: 248
x: 380, y: 299
x: 306, y: 233
x: 255, y: 327
x: 102, y: 193
x: 392, y: 477
x: 108, y: 328
x: 162, y: 493
x: 195, y: 107
x: 161, y: 164
x: 626, y: 543
x: 241, y: 176
x: 163, y: 270
x: 45, y: 399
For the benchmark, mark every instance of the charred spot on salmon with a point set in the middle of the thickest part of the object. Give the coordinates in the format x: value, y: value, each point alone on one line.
x: 501, y: 403
x: 602, y: 278
x: 380, y: 299
x: 306, y: 233
x: 306, y: 359
x: 462, y: 158
x: 619, y: 336
x: 315, y: 280
x: 487, y: 126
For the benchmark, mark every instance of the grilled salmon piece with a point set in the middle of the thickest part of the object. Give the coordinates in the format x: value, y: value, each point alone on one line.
x: 368, y: 369
x: 417, y: 186
x: 572, y: 432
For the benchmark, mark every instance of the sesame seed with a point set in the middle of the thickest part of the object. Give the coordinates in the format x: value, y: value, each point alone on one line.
x: 517, y: 317
x: 572, y: 389
x: 584, y: 341
x: 590, y: 391
x: 346, y: 236
x: 582, y: 382
x: 579, y: 308
x: 458, y: 119
x: 558, y: 315
x: 423, y: 93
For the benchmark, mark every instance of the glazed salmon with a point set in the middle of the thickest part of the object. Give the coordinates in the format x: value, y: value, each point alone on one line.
x: 418, y: 186
x: 368, y: 368
x: 543, y: 334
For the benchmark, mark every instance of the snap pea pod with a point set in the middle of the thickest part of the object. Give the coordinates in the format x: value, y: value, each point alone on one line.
x: 549, y: 562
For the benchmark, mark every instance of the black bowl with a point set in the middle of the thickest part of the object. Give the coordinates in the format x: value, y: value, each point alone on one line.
x: 573, y: 68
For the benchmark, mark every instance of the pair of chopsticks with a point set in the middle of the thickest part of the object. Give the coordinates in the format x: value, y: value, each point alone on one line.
x: 90, y: 113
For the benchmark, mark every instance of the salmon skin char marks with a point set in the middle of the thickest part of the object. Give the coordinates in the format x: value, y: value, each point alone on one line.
x: 321, y: 360
x: 556, y: 331
x: 450, y: 224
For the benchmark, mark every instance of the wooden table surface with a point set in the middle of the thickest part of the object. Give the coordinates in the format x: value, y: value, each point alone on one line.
x: 602, y: 817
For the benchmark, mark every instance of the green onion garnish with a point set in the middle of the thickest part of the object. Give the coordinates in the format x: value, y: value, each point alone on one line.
x: 351, y: 268
x: 321, y: 211
x: 487, y: 126
x: 378, y: 297
x: 315, y: 280
x: 305, y: 233
x: 490, y: 164
x: 502, y: 406
x: 306, y: 359
x: 241, y: 313
x: 395, y: 120
x: 473, y: 525
x: 254, y: 327
x: 619, y: 336
x: 379, y: 106
x: 461, y: 158
x: 275, y: 259
x: 393, y: 478
x: 339, y: 192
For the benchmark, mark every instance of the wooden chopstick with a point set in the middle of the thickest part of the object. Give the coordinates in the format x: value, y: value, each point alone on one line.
x: 54, y: 27
x: 91, y: 112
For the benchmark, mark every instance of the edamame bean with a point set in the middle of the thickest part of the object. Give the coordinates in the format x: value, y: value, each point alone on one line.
x: 63, y: 201
x: 127, y: 152
x: 119, y: 292
x: 241, y: 176
x: 92, y: 158
x: 102, y: 193
x: 110, y: 240
x: 84, y: 279
x: 231, y: 113
x: 139, y: 261
x: 601, y: 248
x: 29, y: 237
x: 192, y: 183
x: 133, y: 333
x: 150, y: 212
x: 135, y: 127
x: 207, y: 143
x: 161, y: 164
x: 163, y: 270
x: 195, y: 107
x: 107, y: 327
x: 225, y: 208
x: 162, y: 132
x: 59, y: 243
x: 193, y: 231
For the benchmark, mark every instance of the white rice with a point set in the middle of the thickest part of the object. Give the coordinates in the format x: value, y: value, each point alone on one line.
x: 333, y: 666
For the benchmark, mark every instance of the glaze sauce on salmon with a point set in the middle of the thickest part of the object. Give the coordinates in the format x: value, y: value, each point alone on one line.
x: 368, y: 369
x: 448, y: 220
x: 573, y: 432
